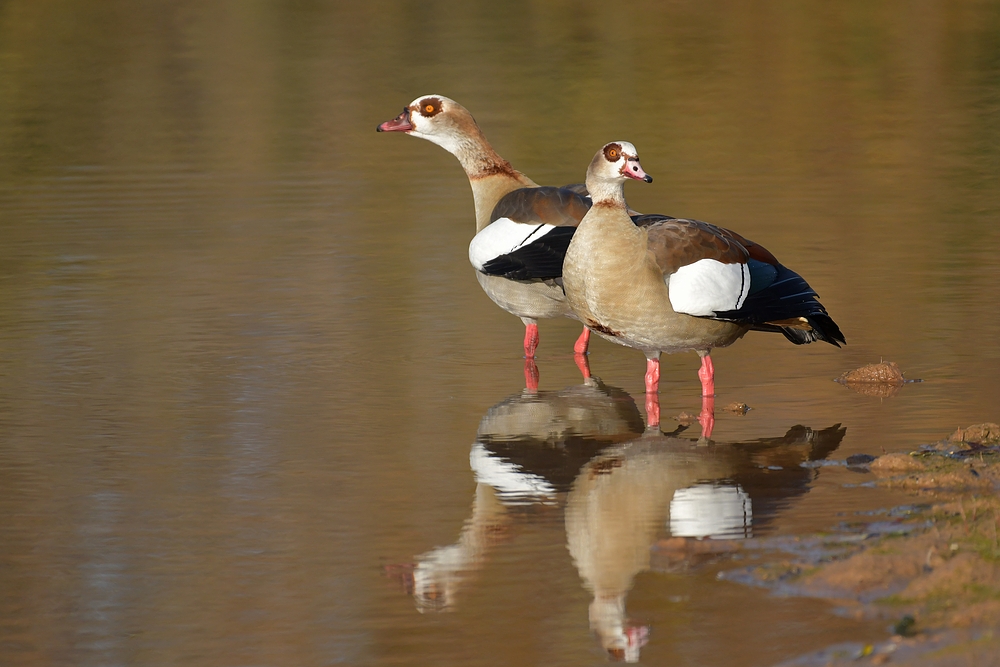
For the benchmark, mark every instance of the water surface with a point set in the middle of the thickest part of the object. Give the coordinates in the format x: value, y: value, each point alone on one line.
x: 252, y: 398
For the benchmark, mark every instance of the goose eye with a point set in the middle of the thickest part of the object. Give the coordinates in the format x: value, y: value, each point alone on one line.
x: 613, y: 154
x: 429, y: 107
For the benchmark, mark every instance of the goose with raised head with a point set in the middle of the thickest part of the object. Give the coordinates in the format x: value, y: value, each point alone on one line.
x: 661, y: 284
x: 522, y: 229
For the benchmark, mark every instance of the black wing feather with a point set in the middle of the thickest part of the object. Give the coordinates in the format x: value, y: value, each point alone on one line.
x: 788, y: 296
x: 540, y: 260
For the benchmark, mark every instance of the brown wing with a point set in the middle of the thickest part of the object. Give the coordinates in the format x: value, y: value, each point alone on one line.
x: 778, y: 300
x: 676, y: 242
x: 578, y: 188
x: 545, y: 205
x: 756, y: 250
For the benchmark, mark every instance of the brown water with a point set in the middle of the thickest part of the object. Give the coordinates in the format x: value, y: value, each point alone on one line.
x: 252, y: 400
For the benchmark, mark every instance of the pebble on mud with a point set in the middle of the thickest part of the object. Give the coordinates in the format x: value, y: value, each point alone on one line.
x: 896, y: 463
x: 686, y: 418
x: 859, y: 462
x: 956, y: 462
x: 978, y: 434
x: 965, y: 440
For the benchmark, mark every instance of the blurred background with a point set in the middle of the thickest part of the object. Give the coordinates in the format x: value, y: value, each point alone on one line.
x: 243, y: 357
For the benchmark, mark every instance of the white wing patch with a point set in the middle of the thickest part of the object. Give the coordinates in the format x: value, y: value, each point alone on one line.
x: 513, y: 484
x: 708, y: 286
x: 503, y: 236
x: 719, y: 511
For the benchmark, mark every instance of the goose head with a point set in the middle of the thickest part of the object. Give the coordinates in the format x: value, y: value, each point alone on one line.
x: 622, y: 640
x: 437, y: 119
x: 614, y: 164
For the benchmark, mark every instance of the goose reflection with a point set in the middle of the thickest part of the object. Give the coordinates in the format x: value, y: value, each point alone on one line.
x: 622, y: 487
x: 528, y: 450
x: 629, y: 495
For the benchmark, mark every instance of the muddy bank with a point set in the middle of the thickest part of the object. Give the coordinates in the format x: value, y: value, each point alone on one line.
x: 930, y: 572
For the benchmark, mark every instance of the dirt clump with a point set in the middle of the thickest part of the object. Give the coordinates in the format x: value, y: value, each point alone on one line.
x: 883, y: 379
x: 941, y: 574
x: 896, y: 463
x: 978, y: 434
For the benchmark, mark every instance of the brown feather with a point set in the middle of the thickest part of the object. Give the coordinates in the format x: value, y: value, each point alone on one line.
x: 677, y: 243
x: 546, y: 205
x: 757, y: 251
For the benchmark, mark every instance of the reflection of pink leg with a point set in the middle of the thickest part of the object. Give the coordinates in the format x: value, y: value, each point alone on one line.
x: 707, y: 375
x: 652, y: 410
x: 583, y: 364
x: 707, y: 416
x: 582, y: 343
x: 530, y: 340
x: 530, y: 375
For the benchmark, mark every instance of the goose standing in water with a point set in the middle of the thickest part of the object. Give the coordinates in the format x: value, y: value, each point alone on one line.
x: 661, y: 284
x: 522, y: 229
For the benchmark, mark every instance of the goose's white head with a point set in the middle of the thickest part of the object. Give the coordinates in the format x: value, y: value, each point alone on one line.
x: 622, y: 640
x: 611, y: 167
x: 435, y: 118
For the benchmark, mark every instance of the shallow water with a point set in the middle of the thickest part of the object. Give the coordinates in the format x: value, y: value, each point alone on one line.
x: 255, y: 409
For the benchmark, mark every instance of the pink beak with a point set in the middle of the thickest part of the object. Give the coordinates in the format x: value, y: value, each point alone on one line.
x: 400, y: 123
x: 633, y: 169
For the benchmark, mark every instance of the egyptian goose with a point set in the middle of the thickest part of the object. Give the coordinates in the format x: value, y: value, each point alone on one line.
x: 522, y: 229
x: 662, y: 284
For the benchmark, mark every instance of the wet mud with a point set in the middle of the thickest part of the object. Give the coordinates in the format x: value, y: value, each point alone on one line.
x: 929, y: 571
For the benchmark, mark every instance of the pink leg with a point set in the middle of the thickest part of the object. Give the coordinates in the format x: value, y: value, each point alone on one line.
x: 582, y: 343
x: 652, y: 375
x: 530, y: 375
x: 652, y: 387
x: 583, y: 364
x: 530, y: 340
x: 707, y: 375
x: 652, y: 409
x: 707, y: 416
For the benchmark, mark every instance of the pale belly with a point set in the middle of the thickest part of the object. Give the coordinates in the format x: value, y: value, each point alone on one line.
x: 534, y: 300
x: 632, y: 308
